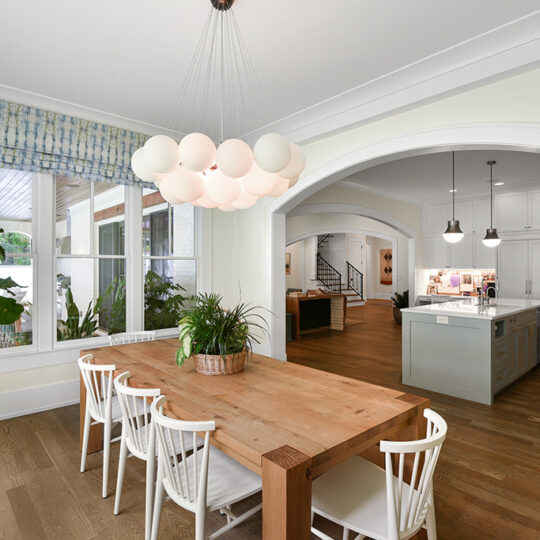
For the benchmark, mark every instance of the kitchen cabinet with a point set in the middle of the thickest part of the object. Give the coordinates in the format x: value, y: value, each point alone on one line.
x: 464, y: 213
x: 534, y: 268
x: 435, y: 219
x: 481, y: 216
x: 436, y: 252
x: 512, y: 268
x: 534, y: 210
x: 512, y: 212
x: 485, y: 258
x: 462, y: 253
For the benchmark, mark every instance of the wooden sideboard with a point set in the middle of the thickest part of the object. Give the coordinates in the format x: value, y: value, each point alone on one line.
x: 317, y: 312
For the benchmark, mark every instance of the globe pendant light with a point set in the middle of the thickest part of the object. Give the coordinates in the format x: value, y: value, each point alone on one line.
x: 492, y: 238
x: 220, y: 83
x: 453, y: 233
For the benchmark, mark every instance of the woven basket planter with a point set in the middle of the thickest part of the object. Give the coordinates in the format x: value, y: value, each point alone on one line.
x: 214, y: 364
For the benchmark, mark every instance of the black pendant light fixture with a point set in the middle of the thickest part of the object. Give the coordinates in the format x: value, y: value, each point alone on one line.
x: 453, y: 233
x: 492, y: 238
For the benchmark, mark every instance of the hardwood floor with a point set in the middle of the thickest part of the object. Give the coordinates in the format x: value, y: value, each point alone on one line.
x: 487, y: 484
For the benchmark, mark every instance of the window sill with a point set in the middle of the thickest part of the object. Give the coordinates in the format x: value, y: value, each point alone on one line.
x: 29, y: 357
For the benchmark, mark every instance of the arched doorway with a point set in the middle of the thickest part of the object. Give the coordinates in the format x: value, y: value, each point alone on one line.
x: 517, y: 137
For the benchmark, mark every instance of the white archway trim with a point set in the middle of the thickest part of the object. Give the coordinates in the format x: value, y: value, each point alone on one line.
x: 508, y: 136
x: 355, y: 209
x: 517, y: 137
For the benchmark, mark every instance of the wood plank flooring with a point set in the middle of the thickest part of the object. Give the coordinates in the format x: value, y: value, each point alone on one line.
x: 487, y: 484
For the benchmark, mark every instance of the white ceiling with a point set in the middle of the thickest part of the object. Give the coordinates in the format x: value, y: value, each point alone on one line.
x: 428, y: 178
x: 129, y: 57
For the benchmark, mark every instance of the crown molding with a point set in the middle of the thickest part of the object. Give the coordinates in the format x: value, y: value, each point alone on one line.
x: 24, y: 97
x: 507, y: 50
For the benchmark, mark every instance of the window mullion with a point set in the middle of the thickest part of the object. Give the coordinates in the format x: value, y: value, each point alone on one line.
x: 134, y: 260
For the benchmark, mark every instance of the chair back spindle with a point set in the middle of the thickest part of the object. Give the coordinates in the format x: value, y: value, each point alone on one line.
x: 185, y: 479
x: 135, y: 404
x: 132, y: 337
x: 98, y: 383
x: 408, y: 499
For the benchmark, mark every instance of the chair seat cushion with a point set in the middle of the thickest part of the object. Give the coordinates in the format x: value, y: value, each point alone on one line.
x: 353, y: 494
x: 228, y: 480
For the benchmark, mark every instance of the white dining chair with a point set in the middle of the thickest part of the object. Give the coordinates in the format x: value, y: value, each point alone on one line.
x: 138, y: 437
x: 132, y: 337
x: 373, y: 502
x: 205, y: 481
x: 101, y: 407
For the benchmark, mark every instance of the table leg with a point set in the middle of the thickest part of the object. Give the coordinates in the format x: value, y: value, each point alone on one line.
x: 286, y: 495
x: 95, y: 441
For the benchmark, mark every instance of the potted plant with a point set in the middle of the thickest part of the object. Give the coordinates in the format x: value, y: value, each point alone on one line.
x: 400, y: 302
x: 217, y: 339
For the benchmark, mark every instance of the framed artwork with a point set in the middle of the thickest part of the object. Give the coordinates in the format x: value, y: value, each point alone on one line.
x: 287, y: 263
x: 385, y: 256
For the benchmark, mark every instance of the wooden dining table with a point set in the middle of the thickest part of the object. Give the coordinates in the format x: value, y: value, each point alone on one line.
x: 286, y: 422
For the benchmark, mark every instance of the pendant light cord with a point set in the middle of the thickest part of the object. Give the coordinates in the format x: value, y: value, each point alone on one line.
x: 491, y: 195
x: 453, y: 187
x: 222, y: 89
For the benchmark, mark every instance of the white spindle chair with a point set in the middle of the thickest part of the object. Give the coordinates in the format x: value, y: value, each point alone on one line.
x: 205, y: 481
x: 101, y: 407
x: 132, y: 337
x: 138, y: 437
x: 371, y: 501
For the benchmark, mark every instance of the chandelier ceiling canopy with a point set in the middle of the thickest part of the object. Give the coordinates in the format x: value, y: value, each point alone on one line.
x: 222, y: 84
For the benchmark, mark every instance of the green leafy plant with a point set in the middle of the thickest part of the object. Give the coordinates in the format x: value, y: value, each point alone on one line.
x: 116, y: 315
x: 163, y: 302
x: 10, y: 310
x: 401, y: 301
x: 208, y: 328
x: 73, y: 327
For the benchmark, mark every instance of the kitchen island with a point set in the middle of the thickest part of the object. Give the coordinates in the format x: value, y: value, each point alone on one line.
x: 469, y: 351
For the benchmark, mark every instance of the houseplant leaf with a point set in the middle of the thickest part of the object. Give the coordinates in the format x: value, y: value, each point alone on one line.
x: 10, y: 311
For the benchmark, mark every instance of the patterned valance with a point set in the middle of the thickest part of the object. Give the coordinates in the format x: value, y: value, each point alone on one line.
x: 43, y: 141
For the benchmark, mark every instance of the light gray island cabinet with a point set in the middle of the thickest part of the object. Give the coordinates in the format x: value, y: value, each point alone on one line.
x: 469, y: 351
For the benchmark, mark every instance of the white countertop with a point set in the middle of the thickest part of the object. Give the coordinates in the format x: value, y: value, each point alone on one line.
x: 467, y: 308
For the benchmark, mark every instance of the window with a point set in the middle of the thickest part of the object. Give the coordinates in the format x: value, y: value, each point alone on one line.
x: 170, y: 264
x: 90, y: 261
x: 16, y: 221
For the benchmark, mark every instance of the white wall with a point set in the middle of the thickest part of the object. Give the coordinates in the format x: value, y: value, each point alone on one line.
x: 295, y: 280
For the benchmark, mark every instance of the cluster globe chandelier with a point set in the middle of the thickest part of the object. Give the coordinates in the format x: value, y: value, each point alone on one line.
x: 231, y: 176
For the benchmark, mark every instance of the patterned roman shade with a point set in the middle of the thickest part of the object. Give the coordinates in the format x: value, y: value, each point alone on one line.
x: 35, y: 140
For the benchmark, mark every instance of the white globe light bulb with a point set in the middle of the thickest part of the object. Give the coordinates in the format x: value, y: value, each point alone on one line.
x: 272, y: 152
x: 280, y: 187
x: 161, y: 153
x: 234, y: 158
x: 185, y: 184
x: 166, y: 188
x: 296, y: 163
x: 245, y: 200
x: 226, y: 208
x: 221, y: 188
x: 259, y: 182
x: 197, y: 152
x: 205, y: 201
x: 141, y: 168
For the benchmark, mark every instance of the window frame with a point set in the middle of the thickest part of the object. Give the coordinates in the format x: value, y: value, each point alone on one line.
x: 197, y: 225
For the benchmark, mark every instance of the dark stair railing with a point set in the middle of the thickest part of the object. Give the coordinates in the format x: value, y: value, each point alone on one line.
x: 355, y: 280
x: 322, y: 239
x: 327, y: 274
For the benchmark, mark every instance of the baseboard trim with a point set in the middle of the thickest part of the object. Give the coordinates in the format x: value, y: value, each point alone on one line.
x: 38, y: 398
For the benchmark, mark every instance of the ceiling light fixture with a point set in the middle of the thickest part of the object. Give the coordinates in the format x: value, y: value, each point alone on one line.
x: 222, y: 81
x: 453, y: 233
x: 492, y: 238
x: 498, y: 184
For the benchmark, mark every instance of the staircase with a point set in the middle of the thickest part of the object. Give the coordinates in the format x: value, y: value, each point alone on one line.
x: 330, y: 278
